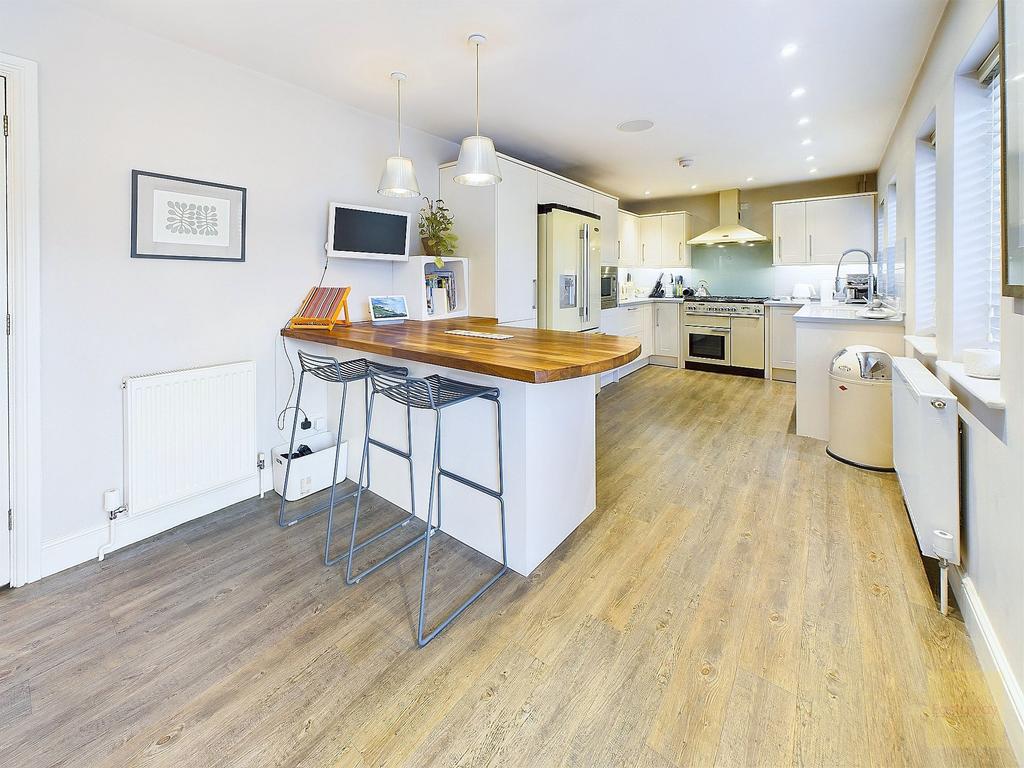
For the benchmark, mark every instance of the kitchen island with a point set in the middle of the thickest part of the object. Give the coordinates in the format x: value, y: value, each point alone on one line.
x: 547, y: 388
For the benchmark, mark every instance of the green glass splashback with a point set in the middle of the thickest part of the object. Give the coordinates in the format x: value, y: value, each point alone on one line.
x: 733, y: 270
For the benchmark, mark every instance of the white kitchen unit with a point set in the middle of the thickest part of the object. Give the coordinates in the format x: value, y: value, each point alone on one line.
x: 676, y: 229
x: 650, y: 241
x: 628, y: 245
x: 820, y: 333
x: 637, y: 320
x: 747, y: 339
x: 782, y: 341
x: 497, y: 230
x: 818, y: 230
x: 555, y: 189
x: 608, y: 209
x: 666, y: 334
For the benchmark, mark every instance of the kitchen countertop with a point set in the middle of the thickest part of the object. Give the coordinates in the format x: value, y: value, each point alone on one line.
x: 534, y: 356
x: 649, y: 300
x: 788, y: 302
x: 842, y: 313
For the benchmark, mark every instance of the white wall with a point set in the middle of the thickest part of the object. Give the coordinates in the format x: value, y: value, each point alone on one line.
x: 113, y: 99
x: 993, y: 513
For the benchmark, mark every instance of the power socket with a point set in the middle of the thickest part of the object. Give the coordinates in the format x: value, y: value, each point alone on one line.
x: 306, y: 424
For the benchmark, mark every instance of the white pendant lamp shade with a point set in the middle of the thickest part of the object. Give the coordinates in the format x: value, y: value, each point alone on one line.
x: 399, y: 177
x: 478, y: 162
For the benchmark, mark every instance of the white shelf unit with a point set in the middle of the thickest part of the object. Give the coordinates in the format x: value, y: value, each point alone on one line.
x: 410, y: 280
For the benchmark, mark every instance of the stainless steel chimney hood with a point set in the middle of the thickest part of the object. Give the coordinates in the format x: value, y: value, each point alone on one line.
x: 729, y: 229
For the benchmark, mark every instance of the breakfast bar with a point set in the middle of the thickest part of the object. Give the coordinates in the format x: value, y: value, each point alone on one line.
x: 547, y: 385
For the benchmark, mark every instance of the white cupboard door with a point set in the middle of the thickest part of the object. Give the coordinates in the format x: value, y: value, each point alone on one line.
x: 783, y: 338
x: 613, y: 321
x: 629, y: 237
x: 608, y: 209
x: 646, y: 331
x: 674, y: 250
x: 789, y: 228
x: 837, y: 224
x: 650, y: 241
x: 551, y: 189
x: 516, y: 244
x: 666, y: 330
x: 747, y: 342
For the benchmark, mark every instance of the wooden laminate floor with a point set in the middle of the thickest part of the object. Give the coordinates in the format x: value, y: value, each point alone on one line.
x: 738, y: 599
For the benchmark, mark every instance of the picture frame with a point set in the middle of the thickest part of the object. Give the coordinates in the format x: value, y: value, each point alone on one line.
x: 388, y: 309
x: 1011, y: 57
x: 188, y: 219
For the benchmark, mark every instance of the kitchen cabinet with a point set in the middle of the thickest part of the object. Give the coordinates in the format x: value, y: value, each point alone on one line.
x: 675, y: 231
x: 629, y: 239
x: 552, y: 189
x: 782, y: 342
x: 608, y: 209
x: 747, y: 342
x: 497, y: 229
x: 817, y: 231
x: 650, y: 241
x: 666, y: 330
x: 646, y: 330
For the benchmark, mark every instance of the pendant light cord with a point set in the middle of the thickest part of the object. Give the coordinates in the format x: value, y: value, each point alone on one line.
x: 399, y: 117
x: 478, y: 89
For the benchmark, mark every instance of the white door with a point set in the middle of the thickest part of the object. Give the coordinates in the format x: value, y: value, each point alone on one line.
x: 608, y: 209
x: 666, y: 330
x: 515, y: 243
x: 674, y: 251
x: 628, y: 238
x: 5, y: 473
x: 551, y: 189
x: 837, y: 224
x: 650, y: 241
x: 789, y: 225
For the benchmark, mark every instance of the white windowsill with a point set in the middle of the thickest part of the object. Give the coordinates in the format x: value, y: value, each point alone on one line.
x: 926, y: 346
x: 988, y: 391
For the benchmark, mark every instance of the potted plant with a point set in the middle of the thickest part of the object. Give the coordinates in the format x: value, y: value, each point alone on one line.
x: 436, y: 234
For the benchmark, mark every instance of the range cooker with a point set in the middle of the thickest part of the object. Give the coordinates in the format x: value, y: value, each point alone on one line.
x: 724, y: 333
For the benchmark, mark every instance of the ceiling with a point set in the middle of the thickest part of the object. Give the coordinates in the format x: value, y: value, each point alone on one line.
x: 559, y: 75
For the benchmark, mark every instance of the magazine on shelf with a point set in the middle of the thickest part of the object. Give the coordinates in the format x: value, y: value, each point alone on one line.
x: 441, y: 291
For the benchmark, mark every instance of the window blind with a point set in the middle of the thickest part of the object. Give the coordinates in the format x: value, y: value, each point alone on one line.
x: 995, y: 261
x: 924, y: 238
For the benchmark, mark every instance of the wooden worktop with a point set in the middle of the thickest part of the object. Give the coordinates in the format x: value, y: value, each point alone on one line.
x: 532, y: 355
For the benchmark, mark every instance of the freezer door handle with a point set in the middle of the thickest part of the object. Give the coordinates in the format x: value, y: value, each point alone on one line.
x: 534, y: 293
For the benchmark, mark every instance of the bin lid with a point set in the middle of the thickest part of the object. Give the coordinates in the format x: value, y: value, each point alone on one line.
x: 861, y: 363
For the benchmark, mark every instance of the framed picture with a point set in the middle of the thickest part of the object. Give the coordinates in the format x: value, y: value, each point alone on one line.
x: 388, y: 309
x: 1011, y: 39
x: 176, y: 218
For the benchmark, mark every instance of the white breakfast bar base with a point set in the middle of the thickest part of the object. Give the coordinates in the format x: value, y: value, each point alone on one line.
x: 549, y: 449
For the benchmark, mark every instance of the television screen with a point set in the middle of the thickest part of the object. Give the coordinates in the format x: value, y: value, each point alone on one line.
x: 368, y: 233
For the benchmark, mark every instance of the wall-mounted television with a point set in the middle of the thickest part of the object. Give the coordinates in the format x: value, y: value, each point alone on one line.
x: 358, y: 232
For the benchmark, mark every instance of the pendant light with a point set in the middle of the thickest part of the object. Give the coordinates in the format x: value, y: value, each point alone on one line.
x: 478, y: 162
x: 399, y: 177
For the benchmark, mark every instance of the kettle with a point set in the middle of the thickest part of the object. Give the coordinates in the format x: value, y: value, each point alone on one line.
x: 702, y: 288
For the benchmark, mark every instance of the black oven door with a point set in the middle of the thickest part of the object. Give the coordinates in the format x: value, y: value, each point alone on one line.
x: 707, y: 345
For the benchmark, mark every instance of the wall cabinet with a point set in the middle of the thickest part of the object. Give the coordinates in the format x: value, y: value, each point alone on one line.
x: 782, y: 342
x: 552, y: 189
x: 666, y: 330
x: 650, y: 241
x: 817, y: 231
x: 675, y: 231
x: 629, y: 239
x: 608, y: 209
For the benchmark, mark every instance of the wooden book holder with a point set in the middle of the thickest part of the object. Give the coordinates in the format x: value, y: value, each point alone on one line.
x: 321, y: 309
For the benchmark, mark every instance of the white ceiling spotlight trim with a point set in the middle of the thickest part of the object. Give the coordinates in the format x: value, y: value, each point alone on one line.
x: 399, y: 177
x: 478, y: 162
x: 635, y: 126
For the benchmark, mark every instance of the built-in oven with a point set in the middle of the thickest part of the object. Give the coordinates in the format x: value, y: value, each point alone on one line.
x: 609, y: 287
x: 707, y: 339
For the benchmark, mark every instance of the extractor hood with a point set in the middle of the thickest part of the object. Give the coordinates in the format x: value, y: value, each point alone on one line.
x: 729, y: 229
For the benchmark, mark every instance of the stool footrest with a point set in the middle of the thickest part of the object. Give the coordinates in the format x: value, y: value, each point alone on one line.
x: 494, y: 494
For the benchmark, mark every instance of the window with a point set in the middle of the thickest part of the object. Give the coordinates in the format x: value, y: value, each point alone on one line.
x: 924, y: 237
x: 886, y: 246
x: 977, y: 209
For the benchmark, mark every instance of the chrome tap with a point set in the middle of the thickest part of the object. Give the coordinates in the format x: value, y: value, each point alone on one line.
x: 871, y: 273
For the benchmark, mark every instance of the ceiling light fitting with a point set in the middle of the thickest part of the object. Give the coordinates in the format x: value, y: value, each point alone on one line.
x: 478, y: 161
x: 399, y: 176
x: 635, y: 126
x: 788, y: 50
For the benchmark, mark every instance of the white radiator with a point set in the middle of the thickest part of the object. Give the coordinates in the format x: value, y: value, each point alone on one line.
x: 926, y: 452
x: 188, y: 432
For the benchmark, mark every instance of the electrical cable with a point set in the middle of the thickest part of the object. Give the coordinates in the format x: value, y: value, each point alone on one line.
x: 291, y: 367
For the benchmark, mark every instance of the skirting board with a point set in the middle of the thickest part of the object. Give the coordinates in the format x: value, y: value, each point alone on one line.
x: 1005, y: 687
x: 69, y: 551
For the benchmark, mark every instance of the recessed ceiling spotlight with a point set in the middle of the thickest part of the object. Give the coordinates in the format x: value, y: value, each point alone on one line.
x: 803, y: 121
x: 788, y: 50
x: 693, y: 186
x: 635, y: 126
x: 750, y: 178
x: 647, y: 193
x: 813, y: 170
x: 796, y: 93
x: 685, y: 161
x: 805, y: 143
x: 809, y: 158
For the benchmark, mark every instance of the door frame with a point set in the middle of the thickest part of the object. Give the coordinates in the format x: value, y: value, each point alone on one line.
x: 24, y: 303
